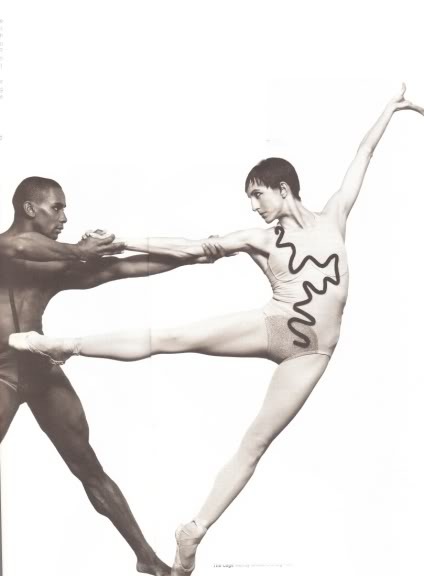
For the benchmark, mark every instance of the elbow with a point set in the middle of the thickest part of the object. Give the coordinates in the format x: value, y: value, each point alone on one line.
x: 366, y: 151
x: 14, y: 247
x: 19, y: 249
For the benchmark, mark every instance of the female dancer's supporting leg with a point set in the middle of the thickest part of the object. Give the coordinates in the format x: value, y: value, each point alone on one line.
x: 291, y: 385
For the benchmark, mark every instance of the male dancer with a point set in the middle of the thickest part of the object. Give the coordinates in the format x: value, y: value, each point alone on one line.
x: 33, y: 268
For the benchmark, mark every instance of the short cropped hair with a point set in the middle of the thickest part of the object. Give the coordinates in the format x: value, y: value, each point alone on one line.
x: 31, y: 189
x: 271, y: 172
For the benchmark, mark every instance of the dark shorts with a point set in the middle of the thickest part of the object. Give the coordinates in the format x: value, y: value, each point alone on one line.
x: 25, y: 373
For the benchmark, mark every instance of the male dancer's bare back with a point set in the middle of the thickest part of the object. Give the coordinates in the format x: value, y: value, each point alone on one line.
x: 26, y: 287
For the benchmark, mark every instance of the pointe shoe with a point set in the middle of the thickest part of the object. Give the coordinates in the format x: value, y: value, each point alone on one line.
x: 177, y: 568
x: 26, y: 342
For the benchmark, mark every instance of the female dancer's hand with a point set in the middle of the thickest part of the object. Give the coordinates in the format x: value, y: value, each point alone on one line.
x: 399, y: 102
x: 98, y: 233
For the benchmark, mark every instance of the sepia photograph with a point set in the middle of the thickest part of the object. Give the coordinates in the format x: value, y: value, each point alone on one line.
x: 210, y: 275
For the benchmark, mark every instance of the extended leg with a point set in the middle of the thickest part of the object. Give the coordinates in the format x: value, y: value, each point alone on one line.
x: 59, y: 412
x: 291, y: 385
x: 242, y: 334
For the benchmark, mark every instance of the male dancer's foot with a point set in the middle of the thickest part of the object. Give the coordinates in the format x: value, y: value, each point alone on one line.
x: 153, y: 566
x: 188, y: 538
x: 57, y: 350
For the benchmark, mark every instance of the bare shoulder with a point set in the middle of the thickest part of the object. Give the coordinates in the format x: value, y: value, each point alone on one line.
x: 334, y: 214
x: 262, y: 239
x: 259, y: 234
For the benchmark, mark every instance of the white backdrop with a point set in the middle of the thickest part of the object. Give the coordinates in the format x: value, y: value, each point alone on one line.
x: 150, y: 116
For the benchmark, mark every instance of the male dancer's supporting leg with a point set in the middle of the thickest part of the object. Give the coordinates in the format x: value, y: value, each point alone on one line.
x: 60, y: 414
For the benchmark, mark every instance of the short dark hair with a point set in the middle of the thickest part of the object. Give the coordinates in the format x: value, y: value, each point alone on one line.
x: 271, y: 172
x: 32, y: 189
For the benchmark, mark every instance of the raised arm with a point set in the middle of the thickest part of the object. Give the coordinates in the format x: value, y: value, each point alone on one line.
x: 343, y: 200
x: 36, y: 247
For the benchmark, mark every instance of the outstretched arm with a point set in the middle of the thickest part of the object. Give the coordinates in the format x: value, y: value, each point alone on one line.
x: 182, y: 248
x: 36, y: 247
x: 161, y: 255
x: 85, y: 275
x: 345, y: 198
x: 89, y: 274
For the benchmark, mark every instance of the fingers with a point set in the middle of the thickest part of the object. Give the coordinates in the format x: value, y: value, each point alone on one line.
x: 105, y: 239
x: 210, y: 252
x: 99, y: 234
x: 87, y: 234
x: 112, y: 249
x: 213, y: 251
x: 398, y: 99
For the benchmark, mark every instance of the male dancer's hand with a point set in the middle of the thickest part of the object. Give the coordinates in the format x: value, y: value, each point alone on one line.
x: 213, y: 251
x: 98, y: 246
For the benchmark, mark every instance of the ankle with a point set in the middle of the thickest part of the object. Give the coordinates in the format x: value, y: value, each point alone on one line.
x: 197, y: 528
x: 72, y: 345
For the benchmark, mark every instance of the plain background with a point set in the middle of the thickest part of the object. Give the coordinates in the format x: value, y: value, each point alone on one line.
x: 150, y: 115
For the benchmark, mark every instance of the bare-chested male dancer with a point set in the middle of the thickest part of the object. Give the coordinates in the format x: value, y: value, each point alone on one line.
x: 33, y: 268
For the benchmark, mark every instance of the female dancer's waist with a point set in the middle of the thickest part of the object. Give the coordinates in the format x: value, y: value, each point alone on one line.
x: 320, y: 307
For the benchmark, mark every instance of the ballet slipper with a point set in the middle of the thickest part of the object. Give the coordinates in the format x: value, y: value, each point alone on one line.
x: 26, y: 342
x: 178, y: 569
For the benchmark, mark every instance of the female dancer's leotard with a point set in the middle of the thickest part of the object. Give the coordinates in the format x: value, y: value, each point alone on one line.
x: 308, y: 272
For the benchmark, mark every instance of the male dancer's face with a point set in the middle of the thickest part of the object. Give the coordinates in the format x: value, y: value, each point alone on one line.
x: 49, y: 211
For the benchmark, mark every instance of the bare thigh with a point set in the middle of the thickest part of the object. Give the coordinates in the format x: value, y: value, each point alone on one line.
x: 60, y: 414
x: 241, y: 334
x: 290, y: 387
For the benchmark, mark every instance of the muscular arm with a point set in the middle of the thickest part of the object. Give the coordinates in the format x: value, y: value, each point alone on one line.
x: 173, y: 253
x: 90, y: 274
x: 36, y: 247
x: 343, y: 200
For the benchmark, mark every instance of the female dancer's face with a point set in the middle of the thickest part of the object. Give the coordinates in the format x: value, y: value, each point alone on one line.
x: 267, y: 202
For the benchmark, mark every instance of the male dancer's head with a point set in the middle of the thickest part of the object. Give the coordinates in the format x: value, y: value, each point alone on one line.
x: 39, y: 205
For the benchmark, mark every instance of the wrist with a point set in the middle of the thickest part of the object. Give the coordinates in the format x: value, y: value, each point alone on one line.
x: 391, y: 108
x: 78, y: 252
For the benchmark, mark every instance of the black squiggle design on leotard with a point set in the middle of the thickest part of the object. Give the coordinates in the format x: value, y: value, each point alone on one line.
x: 308, y: 287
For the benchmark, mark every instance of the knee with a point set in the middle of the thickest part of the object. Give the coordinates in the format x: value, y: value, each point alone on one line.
x: 254, y: 445
x: 77, y: 427
x: 171, y: 340
x: 86, y: 468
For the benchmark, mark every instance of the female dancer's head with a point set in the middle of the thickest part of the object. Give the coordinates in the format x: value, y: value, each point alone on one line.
x: 270, y: 185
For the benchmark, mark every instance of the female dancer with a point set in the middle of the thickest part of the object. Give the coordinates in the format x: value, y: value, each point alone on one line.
x: 304, y: 259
